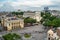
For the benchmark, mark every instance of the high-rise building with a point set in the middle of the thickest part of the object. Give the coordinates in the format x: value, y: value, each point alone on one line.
x: 46, y: 9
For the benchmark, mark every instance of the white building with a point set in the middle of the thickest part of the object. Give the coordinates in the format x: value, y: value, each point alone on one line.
x: 55, y: 13
x: 34, y: 15
x: 51, y: 35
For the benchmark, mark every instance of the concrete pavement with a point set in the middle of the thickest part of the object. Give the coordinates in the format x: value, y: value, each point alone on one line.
x: 36, y: 31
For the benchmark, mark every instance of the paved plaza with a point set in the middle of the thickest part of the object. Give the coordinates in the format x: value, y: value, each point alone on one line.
x: 37, y: 32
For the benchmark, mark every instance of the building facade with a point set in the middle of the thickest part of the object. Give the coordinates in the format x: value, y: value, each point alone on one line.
x: 10, y: 23
x: 51, y: 35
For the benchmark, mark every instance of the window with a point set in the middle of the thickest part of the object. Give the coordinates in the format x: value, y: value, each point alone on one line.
x: 49, y: 34
x: 9, y: 24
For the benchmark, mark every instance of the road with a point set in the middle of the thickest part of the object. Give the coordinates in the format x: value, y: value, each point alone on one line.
x: 37, y: 32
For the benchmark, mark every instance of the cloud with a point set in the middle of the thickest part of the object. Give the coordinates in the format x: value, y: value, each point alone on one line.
x: 6, y: 7
x: 29, y: 2
x: 32, y: 3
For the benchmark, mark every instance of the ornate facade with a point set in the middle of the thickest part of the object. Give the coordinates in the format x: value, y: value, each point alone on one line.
x: 10, y: 23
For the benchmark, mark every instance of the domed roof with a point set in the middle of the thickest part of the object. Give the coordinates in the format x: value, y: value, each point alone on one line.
x: 50, y: 31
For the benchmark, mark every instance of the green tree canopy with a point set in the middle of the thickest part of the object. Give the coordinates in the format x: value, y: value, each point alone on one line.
x: 54, y: 23
x: 57, y: 22
x: 18, y: 13
x: 29, y: 20
x: 52, y: 18
x: 47, y: 16
x: 42, y: 14
x: 11, y: 36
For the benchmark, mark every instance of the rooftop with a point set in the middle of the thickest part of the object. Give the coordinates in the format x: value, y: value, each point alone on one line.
x: 13, y: 19
x: 9, y: 15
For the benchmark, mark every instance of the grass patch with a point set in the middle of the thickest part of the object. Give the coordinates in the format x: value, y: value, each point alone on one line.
x: 27, y: 35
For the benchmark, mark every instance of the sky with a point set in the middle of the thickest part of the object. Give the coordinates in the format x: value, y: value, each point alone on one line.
x: 29, y: 4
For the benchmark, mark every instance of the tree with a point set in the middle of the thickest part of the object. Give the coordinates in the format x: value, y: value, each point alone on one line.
x: 52, y: 18
x: 18, y: 13
x: 54, y: 23
x: 47, y: 23
x: 29, y: 20
x: 11, y: 36
x: 57, y: 22
x: 21, y: 13
x: 42, y: 13
x: 49, y: 20
x: 47, y: 15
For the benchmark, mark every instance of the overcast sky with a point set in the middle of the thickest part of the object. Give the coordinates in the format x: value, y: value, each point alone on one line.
x: 53, y: 4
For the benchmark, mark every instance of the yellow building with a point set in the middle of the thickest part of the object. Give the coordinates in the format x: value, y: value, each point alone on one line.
x: 10, y: 23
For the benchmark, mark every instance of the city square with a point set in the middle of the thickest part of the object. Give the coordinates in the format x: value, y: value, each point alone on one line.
x: 37, y: 32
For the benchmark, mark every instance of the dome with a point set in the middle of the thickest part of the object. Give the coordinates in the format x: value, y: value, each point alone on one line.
x: 50, y: 31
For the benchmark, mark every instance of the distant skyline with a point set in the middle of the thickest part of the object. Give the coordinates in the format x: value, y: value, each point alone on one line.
x: 9, y: 5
